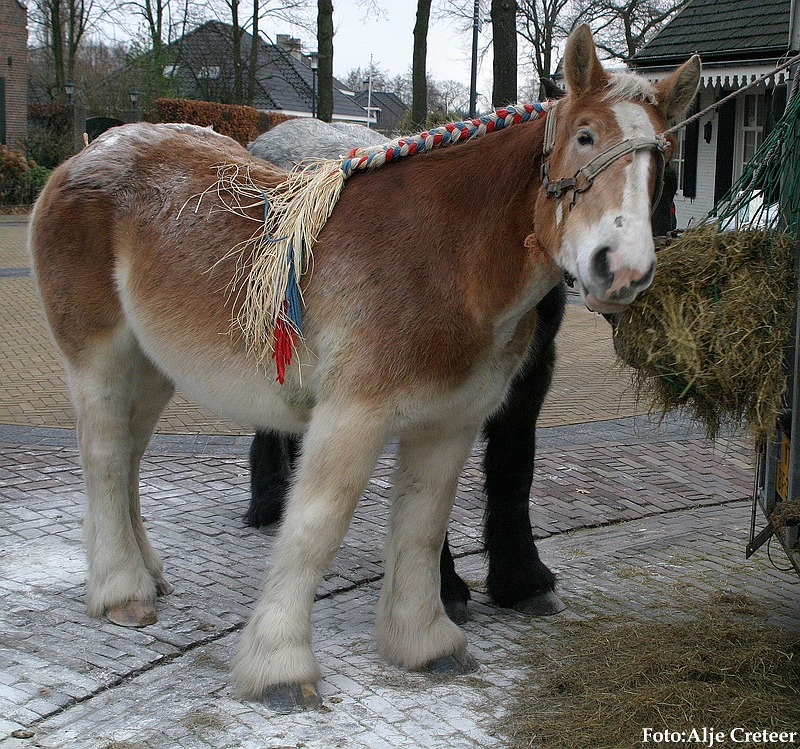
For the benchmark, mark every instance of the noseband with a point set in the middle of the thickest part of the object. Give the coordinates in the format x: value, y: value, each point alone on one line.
x: 584, y: 177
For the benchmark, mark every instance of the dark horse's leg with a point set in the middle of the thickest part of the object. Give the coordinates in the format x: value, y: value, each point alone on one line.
x: 517, y: 577
x: 272, y: 457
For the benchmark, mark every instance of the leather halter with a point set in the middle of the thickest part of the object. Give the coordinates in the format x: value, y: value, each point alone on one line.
x: 584, y: 177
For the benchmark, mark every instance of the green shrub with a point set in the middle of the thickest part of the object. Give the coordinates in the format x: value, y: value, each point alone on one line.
x: 35, y: 177
x: 49, y: 139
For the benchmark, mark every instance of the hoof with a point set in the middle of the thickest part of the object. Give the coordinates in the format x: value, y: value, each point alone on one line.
x: 132, y: 614
x: 456, y: 664
x: 457, y: 611
x: 291, y: 698
x: 542, y: 604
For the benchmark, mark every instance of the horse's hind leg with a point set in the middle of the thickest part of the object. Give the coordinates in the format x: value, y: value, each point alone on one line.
x: 413, y: 630
x: 117, y: 396
x: 151, y: 394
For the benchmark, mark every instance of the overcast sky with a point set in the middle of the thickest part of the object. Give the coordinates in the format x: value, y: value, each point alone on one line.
x: 389, y: 39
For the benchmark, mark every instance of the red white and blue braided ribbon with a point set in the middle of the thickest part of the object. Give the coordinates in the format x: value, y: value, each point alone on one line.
x: 362, y: 159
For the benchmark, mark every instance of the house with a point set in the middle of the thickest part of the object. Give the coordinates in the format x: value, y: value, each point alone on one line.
x: 738, y: 41
x: 285, y: 81
x: 13, y: 73
x: 387, y: 110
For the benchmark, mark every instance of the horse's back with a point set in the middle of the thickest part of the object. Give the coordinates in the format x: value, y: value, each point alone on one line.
x: 111, y: 216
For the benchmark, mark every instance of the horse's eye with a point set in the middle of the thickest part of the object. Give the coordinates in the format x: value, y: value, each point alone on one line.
x: 585, y: 138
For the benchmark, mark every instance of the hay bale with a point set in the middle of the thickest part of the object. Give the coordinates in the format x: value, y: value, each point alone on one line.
x: 711, y: 331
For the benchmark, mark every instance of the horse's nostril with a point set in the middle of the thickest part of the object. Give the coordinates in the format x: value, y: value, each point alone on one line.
x: 601, y: 266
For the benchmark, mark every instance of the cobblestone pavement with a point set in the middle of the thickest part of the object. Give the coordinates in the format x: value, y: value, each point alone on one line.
x: 626, y: 508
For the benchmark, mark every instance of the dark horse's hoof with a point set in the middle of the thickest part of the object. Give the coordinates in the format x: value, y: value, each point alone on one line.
x: 291, y: 698
x: 541, y: 604
x: 456, y: 611
x: 456, y: 664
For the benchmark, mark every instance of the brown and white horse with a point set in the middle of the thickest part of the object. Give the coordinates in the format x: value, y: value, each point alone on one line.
x: 416, y: 316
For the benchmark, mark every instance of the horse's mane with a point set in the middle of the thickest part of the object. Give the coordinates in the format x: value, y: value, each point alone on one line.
x: 630, y: 87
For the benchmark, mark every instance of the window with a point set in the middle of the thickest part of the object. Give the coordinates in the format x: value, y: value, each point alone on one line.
x: 678, y: 160
x: 751, y: 128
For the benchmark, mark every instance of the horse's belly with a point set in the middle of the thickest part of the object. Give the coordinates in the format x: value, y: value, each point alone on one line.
x: 244, y: 393
x: 190, y: 342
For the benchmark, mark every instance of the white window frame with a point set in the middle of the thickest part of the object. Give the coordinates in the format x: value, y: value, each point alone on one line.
x: 742, y: 128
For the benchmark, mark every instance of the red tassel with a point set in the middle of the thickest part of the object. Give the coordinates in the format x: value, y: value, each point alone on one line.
x: 285, y: 341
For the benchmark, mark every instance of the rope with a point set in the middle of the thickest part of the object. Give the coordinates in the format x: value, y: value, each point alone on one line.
x: 754, y: 198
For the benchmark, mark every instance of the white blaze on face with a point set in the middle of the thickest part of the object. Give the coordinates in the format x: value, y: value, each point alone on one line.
x: 636, y: 231
x: 614, y: 249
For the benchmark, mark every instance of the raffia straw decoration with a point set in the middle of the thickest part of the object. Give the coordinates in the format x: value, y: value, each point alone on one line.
x: 710, y: 334
x: 295, y: 211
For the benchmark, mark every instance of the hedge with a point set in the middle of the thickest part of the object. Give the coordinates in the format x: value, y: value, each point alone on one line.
x: 238, y: 122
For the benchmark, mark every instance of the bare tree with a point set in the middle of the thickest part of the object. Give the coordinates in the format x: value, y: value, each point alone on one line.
x: 504, y: 67
x: 543, y: 24
x: 244, y: 17
x: 62, y: 25
x: 419, y: 79
x: 325, y: 64
x: 622, y: 27
x: 357, y: 78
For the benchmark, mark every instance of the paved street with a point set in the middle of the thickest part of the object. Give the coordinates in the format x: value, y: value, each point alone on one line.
x: 632, y: 512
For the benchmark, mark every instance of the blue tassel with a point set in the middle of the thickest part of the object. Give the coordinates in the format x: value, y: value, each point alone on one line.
x: 294, y: 304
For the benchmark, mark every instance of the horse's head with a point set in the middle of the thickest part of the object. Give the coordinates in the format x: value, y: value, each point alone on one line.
x: 602, y: 171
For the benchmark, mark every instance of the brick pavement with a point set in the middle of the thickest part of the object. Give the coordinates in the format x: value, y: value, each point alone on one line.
x: 627, y: 508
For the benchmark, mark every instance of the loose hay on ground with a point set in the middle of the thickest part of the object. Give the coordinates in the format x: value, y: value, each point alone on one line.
x: 612, y: 676
x: 711, y: 331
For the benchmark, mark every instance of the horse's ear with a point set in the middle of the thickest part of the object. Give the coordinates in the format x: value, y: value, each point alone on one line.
x: 582, y: 68
x: 676, y: 92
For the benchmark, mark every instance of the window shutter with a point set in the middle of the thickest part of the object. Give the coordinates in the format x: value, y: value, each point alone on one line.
x: 690, y: 144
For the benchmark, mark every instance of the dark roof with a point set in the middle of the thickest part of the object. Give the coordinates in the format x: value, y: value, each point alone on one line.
x: 204, y: 63
x: 388, y: 102
x: 721, y: 30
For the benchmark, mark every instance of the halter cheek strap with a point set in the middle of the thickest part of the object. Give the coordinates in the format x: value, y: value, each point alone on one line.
x: 584, y: 177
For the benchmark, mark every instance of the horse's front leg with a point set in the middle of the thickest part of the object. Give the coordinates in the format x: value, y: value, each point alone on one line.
x: 272, y: 458
x: 413, y: 630
x: 517, y: 577
x: 275, y: 663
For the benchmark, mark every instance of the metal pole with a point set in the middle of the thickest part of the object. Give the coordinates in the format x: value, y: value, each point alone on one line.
x: 313, y: 92
x: 793, y: 489
x: 473, y: 79
x: 369, y: 93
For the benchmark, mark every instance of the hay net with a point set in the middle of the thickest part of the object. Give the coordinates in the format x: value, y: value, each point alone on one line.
x: 711, y: 333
